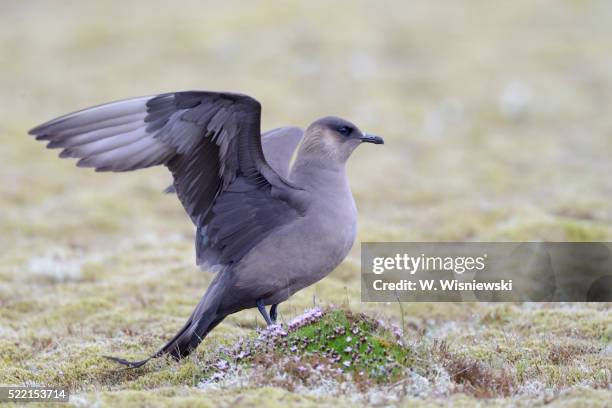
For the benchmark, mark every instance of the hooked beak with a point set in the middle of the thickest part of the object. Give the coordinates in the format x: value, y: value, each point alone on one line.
x: 369, y: 138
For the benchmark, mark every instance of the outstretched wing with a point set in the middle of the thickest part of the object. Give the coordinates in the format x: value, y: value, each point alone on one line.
x: 211, y: 143
x: 279, y: 146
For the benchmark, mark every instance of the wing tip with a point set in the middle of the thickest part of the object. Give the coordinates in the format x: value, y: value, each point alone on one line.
x: 86, y: 162
x: 37, y: 131
x: 64, y: 154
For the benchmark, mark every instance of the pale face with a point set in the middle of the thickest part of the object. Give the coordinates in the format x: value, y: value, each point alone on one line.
x: 336, y: 138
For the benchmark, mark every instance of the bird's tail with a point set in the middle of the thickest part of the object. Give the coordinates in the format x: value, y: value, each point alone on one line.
x: 203, y: 319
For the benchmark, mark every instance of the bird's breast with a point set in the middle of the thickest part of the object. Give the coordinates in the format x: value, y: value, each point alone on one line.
x: 329, y: 232
x: 302, y: 252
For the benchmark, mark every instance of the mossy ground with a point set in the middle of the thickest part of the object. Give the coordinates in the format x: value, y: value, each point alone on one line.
x: 332, y: 342
x: 496, y: 122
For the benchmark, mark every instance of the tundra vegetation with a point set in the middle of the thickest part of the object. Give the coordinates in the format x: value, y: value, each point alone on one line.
x: 497, y: 127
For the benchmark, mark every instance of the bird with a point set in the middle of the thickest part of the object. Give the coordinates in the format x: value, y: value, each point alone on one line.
x: 267, y: 224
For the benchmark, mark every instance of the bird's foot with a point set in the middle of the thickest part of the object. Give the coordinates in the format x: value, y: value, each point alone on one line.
x: 262, y: 309
x: 273, y: 313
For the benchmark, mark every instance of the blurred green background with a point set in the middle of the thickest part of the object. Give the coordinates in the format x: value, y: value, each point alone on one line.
x: 497, y: 127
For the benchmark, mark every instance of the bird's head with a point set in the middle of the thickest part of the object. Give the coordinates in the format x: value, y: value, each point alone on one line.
x: 335, y: 138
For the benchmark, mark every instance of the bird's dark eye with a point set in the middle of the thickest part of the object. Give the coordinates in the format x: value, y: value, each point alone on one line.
x: 345, y: 130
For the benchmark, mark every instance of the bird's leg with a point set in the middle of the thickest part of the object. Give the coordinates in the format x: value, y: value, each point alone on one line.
x: 273, y: 313
x: 262, y: 310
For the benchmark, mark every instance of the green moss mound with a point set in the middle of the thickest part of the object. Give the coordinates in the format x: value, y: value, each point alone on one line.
x: 332, y: 341
x: 355, y: 342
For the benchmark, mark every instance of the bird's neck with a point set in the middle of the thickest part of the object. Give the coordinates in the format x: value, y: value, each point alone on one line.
x: 315, y: 172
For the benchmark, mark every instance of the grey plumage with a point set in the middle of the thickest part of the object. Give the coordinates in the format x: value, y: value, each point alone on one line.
x: 267, y: 227
x: 278, y: 147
